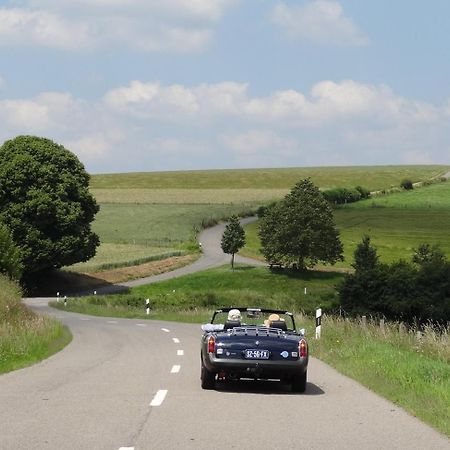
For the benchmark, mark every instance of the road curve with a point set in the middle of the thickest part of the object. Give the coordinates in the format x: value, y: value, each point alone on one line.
x: 134, y: 384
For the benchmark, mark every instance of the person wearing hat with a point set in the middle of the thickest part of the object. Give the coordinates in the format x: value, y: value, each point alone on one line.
x: 234, y: 315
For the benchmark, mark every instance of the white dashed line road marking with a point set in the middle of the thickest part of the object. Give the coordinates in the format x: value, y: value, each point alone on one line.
x: 180, y: 352
x: 159, y: 397
x: 165, y: 330
x: 175, y: 369
x: 84, y: 318
x: 176, y: 340
x: 141, y: 324
x: 113, y: 321
x: 126, y: 448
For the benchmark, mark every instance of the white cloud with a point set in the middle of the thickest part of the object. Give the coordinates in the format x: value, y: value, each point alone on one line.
x: 37, y: 114
x: 259, y: 148
x: 151, y: 126
x: 320, y: 21
x: 152, y: 100
x: 328, y: 101
x: 199, y: 10
x: 143, y: 25
x: 22, y: 26
x: 94, y: 146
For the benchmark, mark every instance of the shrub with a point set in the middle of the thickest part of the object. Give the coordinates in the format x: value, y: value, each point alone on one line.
x: 406, y: 184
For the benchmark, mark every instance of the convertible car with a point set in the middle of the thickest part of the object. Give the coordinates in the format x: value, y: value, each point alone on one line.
x: 242, y: 343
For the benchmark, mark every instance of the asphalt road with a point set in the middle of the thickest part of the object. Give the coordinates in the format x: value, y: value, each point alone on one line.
x: 124, y: 384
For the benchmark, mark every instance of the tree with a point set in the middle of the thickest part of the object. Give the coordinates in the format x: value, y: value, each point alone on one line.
x: 365, y: 255
x: 233, y: 238
x: 300, y: 230
x: 10, y: 260
x: 46, y: 204
x: 427, y: 254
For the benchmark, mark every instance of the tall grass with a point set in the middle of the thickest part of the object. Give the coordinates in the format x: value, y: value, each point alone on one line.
x: 25, y: 337
x: 410, y: 367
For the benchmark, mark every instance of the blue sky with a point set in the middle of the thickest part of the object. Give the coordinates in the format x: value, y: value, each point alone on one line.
x: 145, y: 85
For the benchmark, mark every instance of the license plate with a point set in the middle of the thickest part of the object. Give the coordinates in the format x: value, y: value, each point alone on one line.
x: 256, y: 354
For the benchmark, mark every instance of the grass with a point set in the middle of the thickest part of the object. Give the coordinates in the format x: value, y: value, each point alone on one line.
x: 245, y: 286
x: 412, y: 372
x: 371, y: 177
x: 137, y: 233
x: 248, y: 196
x: 25, y: 337
x: 397, y: 223
x: 110, y: 256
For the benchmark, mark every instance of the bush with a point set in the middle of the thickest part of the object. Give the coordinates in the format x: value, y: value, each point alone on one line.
x: 418, y: 291
x: 341, y: 196
x: 406, y: 184
x: 10, y: 259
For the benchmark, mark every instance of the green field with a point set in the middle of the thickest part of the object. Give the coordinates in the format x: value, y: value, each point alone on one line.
x: 397, y: 223
x: 371, y: 177
x: 160, y: 213
x: 139, y: 232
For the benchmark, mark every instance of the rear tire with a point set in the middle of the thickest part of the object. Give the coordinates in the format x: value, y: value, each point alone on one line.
x: 299, y: 382
x: 208, y: 378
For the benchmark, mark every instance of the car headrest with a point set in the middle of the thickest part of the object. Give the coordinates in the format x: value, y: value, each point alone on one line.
x: 280, y: 324
x: 231, y: 324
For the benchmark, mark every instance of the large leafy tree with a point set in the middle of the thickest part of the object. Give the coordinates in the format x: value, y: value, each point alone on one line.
x: 46, y: 204
x: 233, y: 238
x: 300, y: 230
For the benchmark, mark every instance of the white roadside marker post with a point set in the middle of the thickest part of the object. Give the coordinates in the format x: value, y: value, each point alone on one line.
x: 318, y: 322
x: 65, y: 300
x: 57, y: 297
x: 147, y: 306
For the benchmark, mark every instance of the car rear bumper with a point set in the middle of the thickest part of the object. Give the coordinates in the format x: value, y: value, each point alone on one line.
x: 255, y: 368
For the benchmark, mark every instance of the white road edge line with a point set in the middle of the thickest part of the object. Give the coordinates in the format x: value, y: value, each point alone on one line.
x: 159, y: 397
x: 175, y: 369
x: 141, y: 324
x: 114, y: 321
x: 126, y: 448
x: 180, y: 352
x: 176, y: 340
x: 84, y: 318
x: 165, y: 330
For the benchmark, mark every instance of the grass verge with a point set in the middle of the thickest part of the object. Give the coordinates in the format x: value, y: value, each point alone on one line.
x: 25, y: 337
x: 245, y: 286
x: 413, y: 372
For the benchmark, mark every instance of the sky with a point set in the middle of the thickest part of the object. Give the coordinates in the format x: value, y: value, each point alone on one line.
x: 156, y: 85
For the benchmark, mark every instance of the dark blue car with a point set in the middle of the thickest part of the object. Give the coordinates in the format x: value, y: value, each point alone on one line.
x: 242, y: 343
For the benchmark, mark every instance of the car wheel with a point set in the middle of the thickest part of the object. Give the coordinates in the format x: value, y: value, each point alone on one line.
x: 299, y: 382
x: 208, y: 378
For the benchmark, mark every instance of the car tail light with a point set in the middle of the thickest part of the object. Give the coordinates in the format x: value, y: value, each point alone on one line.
x: 303, y: 348
x: 211, y: 344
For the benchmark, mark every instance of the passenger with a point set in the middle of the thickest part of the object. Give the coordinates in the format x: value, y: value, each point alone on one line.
x: 234, y: 314
x: 273, y: 318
